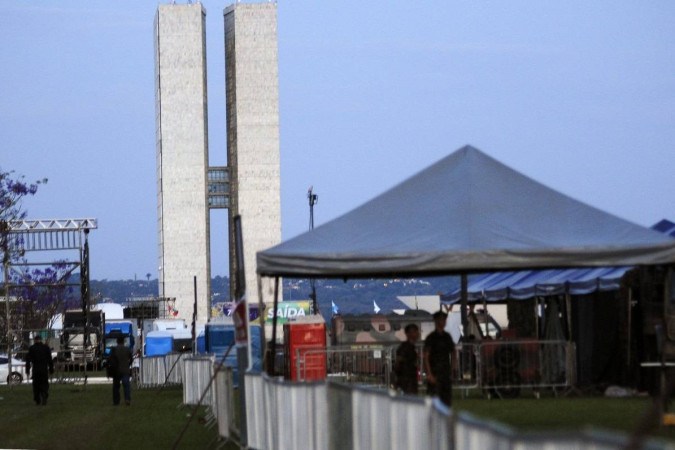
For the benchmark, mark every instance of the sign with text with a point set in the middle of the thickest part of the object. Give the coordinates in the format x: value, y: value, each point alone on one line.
x: 288, y: 310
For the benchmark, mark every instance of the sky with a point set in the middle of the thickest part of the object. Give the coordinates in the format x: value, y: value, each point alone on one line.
x: 577, y: 95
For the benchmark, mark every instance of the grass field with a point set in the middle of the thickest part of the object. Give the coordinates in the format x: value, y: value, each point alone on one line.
x: 529, y: 414
x: 84, y: 418
x: 79, y: 418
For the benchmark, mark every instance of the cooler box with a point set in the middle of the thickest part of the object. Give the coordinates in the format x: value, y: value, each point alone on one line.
x: 158, y: 343
x: 307, y: 337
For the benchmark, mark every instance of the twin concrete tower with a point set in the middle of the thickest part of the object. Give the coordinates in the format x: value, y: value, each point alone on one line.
x: 188, y: 188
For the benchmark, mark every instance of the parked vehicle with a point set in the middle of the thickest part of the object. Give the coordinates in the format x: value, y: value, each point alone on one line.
x: 18, y: 371
x: 82, y: 343
x: 124, y: 328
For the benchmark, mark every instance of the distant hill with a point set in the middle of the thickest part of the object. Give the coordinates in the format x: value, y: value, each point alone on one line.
x: 351, y: 296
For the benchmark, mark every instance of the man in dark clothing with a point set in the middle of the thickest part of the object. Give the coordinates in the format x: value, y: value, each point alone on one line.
x: 120, y: 368
x: 405, y: 366
x: 40, y: 360
x: 438, y: 353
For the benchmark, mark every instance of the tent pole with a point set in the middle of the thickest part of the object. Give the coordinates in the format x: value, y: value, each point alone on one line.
x: 568, y: 307
x: 273, y: 344
x: 261, y: 312
x: 464, y: 301
x: 536, y: 317
x: 630, y: 325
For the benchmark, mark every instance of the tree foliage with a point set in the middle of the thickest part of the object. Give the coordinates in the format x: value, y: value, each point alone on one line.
x: 41, y: 293
x: 13, y: 189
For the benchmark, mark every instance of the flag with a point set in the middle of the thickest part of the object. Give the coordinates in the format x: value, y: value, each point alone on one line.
x: 335, y: 307
x: 376, y: 308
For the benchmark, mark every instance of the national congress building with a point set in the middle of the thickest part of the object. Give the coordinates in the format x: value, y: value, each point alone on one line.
x: 187, y: 187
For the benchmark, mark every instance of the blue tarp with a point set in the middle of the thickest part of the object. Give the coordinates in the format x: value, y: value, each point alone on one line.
x: 494, y: 287
x: 499, y: 286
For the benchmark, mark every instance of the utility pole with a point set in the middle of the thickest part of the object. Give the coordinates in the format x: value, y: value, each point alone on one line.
x: 4, y: 243
x: 313, y: 199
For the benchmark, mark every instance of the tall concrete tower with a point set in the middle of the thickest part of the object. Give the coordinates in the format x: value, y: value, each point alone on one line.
x: 252, y: 106
x: 182, y: 157
x: 187, y: 187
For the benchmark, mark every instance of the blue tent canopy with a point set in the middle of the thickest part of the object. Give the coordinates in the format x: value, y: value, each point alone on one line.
x: 499, y: 286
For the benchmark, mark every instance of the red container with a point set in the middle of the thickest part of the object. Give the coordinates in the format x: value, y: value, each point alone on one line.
x: 305, y: 348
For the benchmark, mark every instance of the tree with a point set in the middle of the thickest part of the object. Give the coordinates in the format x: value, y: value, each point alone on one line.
x: 13, y: 189
x: 12, y: 192
x: 41, y: 293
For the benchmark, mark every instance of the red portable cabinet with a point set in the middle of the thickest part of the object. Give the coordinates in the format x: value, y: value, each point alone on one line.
x: 306, y: 338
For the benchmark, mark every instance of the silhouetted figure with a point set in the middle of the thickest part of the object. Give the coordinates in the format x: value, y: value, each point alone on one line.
x: 438, y: 353
x: 119, y: 364
x: 39, y: 359
x: 406, y: 366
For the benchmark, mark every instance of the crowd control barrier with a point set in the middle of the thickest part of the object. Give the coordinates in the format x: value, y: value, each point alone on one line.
x: 499, y: 368
x: 284, y: 414
x: 162, y: 370
x: 200, y: 390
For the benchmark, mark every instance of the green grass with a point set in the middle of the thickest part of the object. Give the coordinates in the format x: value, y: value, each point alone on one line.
x: 529, y: 414
x: 84, y: 418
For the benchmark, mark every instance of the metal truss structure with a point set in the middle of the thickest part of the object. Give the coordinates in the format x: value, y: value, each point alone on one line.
x: 23, y: 236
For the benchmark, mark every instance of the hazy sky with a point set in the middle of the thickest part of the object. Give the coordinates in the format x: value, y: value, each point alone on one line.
x: 578, y: 95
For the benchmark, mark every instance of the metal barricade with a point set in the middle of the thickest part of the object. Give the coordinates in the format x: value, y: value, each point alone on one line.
x: 284, y: 414
x: 259, y: 420
x: 471, y: 433
x: 363, y: 365
x: 505, y: 367
x: 224, y: 401
x: 151, y: 371
x: 174, y: 367
x: 160, y: 370
x: 197, y: 386
x: 500, y: 368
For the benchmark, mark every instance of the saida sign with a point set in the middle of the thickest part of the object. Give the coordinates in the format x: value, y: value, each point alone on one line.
x: 288, y: 310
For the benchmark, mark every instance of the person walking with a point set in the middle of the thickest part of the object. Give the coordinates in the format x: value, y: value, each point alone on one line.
x: 438, y: 354
x: 39, y: 359
x: 119, y: 364
x: 406, y: 365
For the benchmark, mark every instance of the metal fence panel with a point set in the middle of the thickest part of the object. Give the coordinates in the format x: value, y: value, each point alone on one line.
x: 371, y: 414
x: 410, y: 422
x: 299, y: 412
x: 258, y: 421
x: 152, y: 371
x: 224, y: 401
x: 340, y: 433
x: 197, y: 386
x: 471, y: 433
x: 441, y: 426
x: 507, y: 366
x: 174, y: 367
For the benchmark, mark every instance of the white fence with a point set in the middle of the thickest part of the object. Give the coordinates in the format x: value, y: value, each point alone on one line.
x: 286, y: 415
x: 330, y: 415
x: 161, y: 370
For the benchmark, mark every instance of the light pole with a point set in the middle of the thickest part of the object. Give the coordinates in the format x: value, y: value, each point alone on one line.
x: 313, y: 199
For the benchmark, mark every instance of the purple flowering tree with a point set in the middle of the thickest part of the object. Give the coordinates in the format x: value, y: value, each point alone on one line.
x: 41, y: 293
x: 13, y: 189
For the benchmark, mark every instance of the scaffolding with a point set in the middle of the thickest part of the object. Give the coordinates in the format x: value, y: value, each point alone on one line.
x: 24, y: 236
